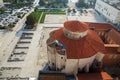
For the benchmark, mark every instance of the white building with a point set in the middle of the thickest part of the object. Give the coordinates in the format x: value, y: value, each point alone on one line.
x: 67, y: 49
x: 110, y: 9
x: 89, y: 1
x: 1, y: 3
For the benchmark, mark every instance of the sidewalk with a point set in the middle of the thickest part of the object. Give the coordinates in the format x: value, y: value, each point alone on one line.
x: 11, y: 37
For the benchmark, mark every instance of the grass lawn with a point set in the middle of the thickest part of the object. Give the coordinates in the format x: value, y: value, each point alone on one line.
x: 37, y: 15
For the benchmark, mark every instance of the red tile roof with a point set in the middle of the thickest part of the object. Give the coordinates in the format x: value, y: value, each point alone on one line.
x: 114, y: 35
x: 89, y: 76
x: 94, y: 76
x: 100, y: 25
x: 106, y: 76
x: 75, y: 26
x: 111, y: 59
x: 52, y: 76
x: 81, y: 48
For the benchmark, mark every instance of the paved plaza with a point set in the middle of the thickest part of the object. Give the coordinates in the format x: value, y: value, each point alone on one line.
x: 55, y: 19
x: 35, y: 57
x: 91, y: 16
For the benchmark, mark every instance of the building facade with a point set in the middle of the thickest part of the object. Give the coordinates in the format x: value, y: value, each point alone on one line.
x: 68, y: 59
x: 79, y: 47
x: 109, y: 9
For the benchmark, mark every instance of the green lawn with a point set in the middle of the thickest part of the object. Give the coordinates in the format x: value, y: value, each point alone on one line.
x: 42, y: 17
x: 37, y: 15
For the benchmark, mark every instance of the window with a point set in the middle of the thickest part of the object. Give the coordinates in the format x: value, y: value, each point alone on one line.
x: 61, y: 57
x: 58, y: 69
x: 48, y: 62
x: 65, y: 60
x: 53, y: 64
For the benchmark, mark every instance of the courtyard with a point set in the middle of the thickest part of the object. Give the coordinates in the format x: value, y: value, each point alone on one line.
x: 27, y: 54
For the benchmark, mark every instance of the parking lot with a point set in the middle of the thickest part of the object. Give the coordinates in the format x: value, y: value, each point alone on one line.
x: 7, y: 18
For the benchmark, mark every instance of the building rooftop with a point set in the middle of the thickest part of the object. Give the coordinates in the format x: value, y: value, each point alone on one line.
x: 51, y: 76
x: 75, y: 26
x: 107, y: 32
x: 114, y: 3
x: 91, y: 41
x: 54, y: 75
x: 115, y: 36
x: 94, y: 76
x: 100, y: 26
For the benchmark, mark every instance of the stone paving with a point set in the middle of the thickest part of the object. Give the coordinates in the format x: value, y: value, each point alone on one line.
x: 6, y: 72
x: 15, y: 59
x: 50, y: 18
x: 3, y: 34
x: 35, y: 58
x: 91, y: 16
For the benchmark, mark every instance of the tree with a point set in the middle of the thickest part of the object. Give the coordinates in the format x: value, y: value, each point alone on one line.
x: 11, y: 1
x: 11, y: 25
x: 2, y: 27
x: 36, y: 9
x: 94, y: 1
x: 68, y: 10
x: 81, y: 11
x: 53, y: 3
x: 74, y: 11
x: 81, y: 3
x: 2, y: 10
x: 31, y: 19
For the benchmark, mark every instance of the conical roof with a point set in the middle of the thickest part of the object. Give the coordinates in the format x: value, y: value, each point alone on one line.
x: 75, y: 26
x: 81, y: 48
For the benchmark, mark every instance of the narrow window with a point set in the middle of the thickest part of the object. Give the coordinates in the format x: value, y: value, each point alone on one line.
x: 53, y: 64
